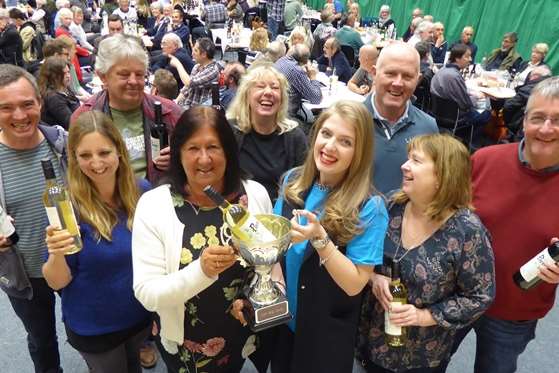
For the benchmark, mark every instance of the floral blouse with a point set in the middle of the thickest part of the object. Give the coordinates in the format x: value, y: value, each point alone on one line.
x: 451, y: 274
x: 214, y: 341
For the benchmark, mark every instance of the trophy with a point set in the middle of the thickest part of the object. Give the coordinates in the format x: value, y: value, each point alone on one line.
x: 266, y: 306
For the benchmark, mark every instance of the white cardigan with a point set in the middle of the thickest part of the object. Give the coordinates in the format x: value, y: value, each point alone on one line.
x: 156, y: 249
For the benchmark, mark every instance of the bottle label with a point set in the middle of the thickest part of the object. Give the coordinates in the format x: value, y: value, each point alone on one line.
x: 390, y: 328
x: 255, y: 230
x: 155, y: 148
x: 530, y: 270
x: 54, y: 219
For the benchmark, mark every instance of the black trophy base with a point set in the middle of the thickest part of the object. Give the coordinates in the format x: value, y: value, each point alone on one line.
x: 264, y: 317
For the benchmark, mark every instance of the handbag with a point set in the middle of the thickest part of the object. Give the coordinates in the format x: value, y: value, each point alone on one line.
x: 13, y: 277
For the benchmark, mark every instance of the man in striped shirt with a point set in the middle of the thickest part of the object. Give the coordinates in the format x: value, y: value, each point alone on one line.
x: 23, y: 144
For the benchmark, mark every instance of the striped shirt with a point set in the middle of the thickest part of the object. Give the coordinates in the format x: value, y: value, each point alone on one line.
x: 199, y: 90
x: 24, y: 184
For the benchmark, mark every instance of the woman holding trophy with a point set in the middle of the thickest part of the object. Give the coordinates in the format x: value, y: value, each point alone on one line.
x: 184, y: 267
x: 338, y: 228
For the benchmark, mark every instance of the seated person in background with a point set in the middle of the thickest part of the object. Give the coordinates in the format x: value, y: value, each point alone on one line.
x: 299, y: 35
x: 259, y: 40
x: 417, y: 13
x: 114, y: 27
x: 214, y: 14
x: 234, y: 11
x: 347, y: 35
x: 125, y: 12
x: 27, y: 32
x: 438, y: 45
x: 335, y: 60
x: 422, y: 91
x: 514, y: 108
x: 78, y: 33
x: 164, y: 84
x: 466, y: 38
x: 59, y: 102
x: 83, y: 55
x: 425, y: 31
x: 173, y: 54
x: 198, y: 85
x: 362, y: 81
x: 157, y: 23
x: 293, y: 14
x: 506, y: 57
x: 232, y: 76
x: 325, y: 29
x: 354, y: 9
x: 179, y: 27
x: 272, y: 53
x: 384, y: 19
x: 448, y: 83
x: 539, y: 51
x: 302, y: 81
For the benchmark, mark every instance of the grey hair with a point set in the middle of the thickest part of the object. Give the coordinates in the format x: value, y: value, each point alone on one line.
x: 62, y: 3
x: 157, y: 4
x: 384, y: 7
x: 65, y: 11
x: 171, y: 36
x: 300, y: 53
x: 548, y: 89
x: 416, y: 21
x: 116, y: 48
x: 11, y: 73
x: 275, y: 51
x: 423, y: 26
x: 76, y: 10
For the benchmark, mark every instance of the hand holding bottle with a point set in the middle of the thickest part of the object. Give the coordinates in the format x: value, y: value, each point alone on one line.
x: 216, y: 259
x: 59, y: 241
x: 163, y: 161
x: 550, y: 272
x: 410, y: 315
x: 380, y: 289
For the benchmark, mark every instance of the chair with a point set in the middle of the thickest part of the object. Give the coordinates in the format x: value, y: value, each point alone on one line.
x: 349, y: 53
x: 317, y: 47
x: 447, y: 115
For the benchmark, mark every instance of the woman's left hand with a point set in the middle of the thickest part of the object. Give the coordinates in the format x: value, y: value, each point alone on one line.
x: 410, y: 315
x: 312, y: 229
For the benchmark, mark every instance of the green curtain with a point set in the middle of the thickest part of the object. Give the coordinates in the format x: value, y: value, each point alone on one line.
x: 535, y: 21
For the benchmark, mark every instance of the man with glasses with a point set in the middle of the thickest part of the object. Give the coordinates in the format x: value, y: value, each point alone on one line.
x: 515, y: 195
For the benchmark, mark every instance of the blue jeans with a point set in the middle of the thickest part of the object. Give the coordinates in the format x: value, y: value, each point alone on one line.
x: 39, y: 321
x: 273, y: 27
x: 498, y: 343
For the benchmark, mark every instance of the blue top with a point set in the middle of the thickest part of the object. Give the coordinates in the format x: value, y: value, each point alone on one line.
x: 339, y: 6
x: 365, y: 249
x: 100, y: 298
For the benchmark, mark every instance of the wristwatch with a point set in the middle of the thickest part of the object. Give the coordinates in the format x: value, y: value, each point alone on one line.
x: 320, y: 243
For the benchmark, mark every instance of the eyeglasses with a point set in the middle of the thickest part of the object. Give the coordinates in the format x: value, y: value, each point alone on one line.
x: 539, y: 120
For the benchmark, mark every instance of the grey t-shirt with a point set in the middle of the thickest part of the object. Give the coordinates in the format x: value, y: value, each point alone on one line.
x: 362, y: 77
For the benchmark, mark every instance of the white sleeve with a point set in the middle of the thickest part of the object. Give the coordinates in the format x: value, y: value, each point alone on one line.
x: 154, y: 287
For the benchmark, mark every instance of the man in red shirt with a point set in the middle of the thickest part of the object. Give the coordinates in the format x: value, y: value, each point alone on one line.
x: 516, y: 196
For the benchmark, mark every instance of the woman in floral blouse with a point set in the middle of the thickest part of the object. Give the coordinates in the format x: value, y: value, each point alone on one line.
x: 184, y: 267
x: 445, y: 258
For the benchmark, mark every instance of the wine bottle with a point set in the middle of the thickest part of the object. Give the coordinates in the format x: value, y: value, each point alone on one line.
x: 395, y: 336
x: 160, y: 127
x: 527, y: 276
x: 59, y: 207
x: 243, y: 225
x: 7, y: 229
x: 215, y: 96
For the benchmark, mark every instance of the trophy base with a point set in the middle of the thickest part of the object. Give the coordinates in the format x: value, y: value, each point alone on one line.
x: 264, y: 317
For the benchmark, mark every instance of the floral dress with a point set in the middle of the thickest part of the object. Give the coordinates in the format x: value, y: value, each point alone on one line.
x: 451, y: 274
x: 214, y: 341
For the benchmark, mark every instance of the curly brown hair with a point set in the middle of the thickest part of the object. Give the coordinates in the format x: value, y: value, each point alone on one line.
x: 51, y: 75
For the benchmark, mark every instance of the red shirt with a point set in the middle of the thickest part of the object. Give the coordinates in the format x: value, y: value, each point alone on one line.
x: 519, y: 206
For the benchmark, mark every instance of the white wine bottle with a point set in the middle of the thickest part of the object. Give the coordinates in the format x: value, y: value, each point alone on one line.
x: 59, y: 207
x: 243, y: 225
x: 395, y: 336
x: 527, y: 276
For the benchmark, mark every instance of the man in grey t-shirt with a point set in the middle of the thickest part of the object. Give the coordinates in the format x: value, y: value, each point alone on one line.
x: 362, y: 81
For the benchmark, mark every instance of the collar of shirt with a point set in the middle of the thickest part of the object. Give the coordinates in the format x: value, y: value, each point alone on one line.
x: 390, y: 129
x: 524, y: 162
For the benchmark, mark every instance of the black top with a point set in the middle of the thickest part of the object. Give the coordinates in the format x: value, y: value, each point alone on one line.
x: 267, y: 157
x: 213, y: 339
x: 11, y: 46
x: 58, y: 108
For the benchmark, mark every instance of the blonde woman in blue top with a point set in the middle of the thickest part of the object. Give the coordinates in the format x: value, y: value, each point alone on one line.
x: 103, y: 319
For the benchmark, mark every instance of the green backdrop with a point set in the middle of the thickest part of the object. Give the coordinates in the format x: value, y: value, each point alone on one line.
x: 535, y: 21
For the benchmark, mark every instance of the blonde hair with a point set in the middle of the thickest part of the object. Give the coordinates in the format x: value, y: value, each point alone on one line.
x: 342, y: 207
x: 91, y: 207
x: 239, y: 109
x: 541, y: 48
x: 453, y: 169
x: 301, y: 31
x: 259, y: 39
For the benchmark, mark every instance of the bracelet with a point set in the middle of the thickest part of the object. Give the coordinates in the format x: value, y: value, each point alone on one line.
x: 322, y: 261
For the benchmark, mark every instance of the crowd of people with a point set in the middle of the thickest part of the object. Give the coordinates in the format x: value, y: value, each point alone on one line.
x: 367, y: 186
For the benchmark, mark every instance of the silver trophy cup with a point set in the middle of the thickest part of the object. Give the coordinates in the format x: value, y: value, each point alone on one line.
x: 267, y: 306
